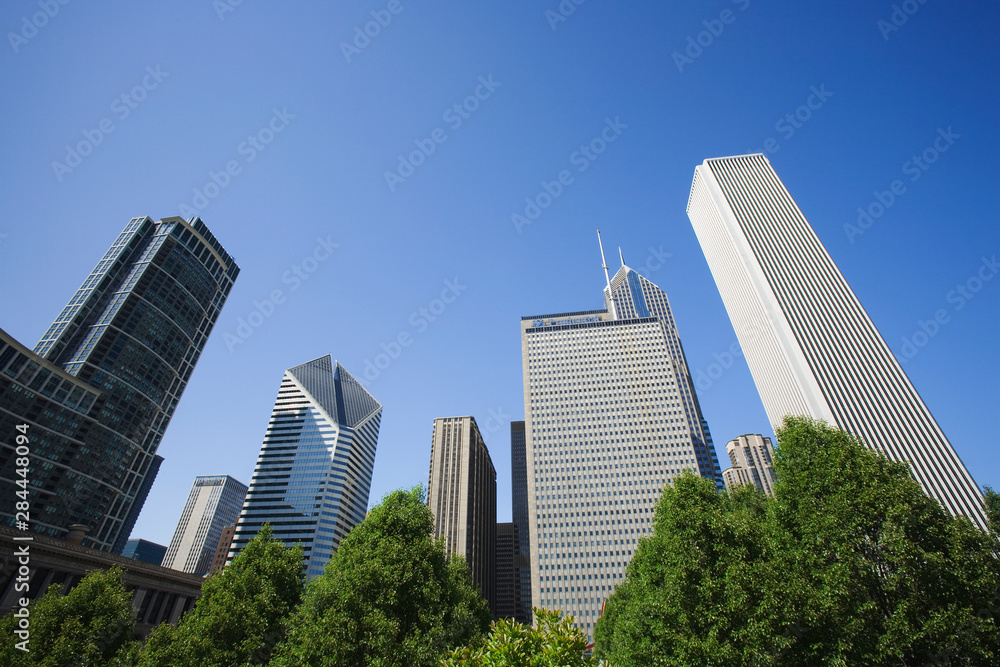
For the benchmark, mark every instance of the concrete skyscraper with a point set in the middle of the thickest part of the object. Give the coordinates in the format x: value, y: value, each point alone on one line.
x: 752, y: 456
x: 213, y: 504
x: 611, y: 418
x: 101, y: 386
x: 810, y: 345
x: 314, y: 472
x: 462, y: 495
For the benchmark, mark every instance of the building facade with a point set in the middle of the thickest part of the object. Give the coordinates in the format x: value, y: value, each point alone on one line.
x: 752, y: 458
x: 611, y: 418
x: 507, y: 589
x: 213, y: 503
x: 314, y: 472
x: 519, y: 514
x: 100, y: 387
x: 810, y: 345
x: 146, y: 551
x: 222, y: 549
x: 462, y: 496
x: 159, y: 595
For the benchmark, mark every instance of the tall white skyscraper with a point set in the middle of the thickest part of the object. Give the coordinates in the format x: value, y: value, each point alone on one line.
x: 610, y: 419
x: 314, y: 471
x: 213, y: 504
x: 811, y: 347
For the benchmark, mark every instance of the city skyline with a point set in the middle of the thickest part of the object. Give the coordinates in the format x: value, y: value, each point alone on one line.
x: 415, y: 287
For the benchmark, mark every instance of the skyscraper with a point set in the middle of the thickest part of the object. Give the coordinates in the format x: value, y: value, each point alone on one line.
x: 462, y: 495
x: 810, y: 345
x: 507, y: 594
x: 611, y: 417
x: 213, y: 503
x: 752, y: 456
x: 101, y: 386
x: 519, y: 513
x: 314, y: 472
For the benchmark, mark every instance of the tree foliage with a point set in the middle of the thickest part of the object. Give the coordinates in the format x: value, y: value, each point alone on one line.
x: 849, y: 564
x: 241, y: 615
x: 91, y: 626
x: 389, y: 597
x: 555, y: 642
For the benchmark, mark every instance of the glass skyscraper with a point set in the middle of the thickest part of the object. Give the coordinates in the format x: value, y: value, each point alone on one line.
x: 314, y: 472
x: 810, y: 345
x: 101, y: 386
x: 519, y: 513
x: 611, y: 418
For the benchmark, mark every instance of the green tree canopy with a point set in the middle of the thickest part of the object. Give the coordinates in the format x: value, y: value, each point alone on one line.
x: 91, y: 626
x: 849, y: 564
x: 554, y: 642
x: 242, y: 612
x: 390, y: 596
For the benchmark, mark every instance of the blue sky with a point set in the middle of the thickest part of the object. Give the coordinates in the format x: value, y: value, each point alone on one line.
x: 278, y: 128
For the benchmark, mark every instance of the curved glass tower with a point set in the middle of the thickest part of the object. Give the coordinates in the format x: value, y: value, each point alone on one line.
x: 104, y: 380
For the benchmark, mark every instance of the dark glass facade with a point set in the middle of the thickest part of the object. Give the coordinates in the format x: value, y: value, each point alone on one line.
x: 104, y: 380
x: 519, y: 513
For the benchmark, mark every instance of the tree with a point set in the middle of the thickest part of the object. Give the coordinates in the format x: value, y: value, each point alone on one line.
x: 704, y: 588
x: 555, y: 642
x: 241, y: 615
x: 90, y: 626
x: 390, y: 596
x: 850, y: 563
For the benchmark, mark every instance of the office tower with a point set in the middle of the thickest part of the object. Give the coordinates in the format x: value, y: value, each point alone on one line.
x: 752, y: 456
x: 507, y: 593
x: 100, y: 387
x: 519, y: 513
x: 810, y: 345
x: 222, y: 549
x: 146, y: 551
x: 462, y: 495
x: 213, y: 503
x: 611, y: 418
x: 314, y: 472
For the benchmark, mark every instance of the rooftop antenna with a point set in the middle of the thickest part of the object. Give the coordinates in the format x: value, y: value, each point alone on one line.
x: 604, y: 265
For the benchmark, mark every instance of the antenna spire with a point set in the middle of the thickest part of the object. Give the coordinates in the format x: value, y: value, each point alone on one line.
x: 620, y: 256
x: 607, y: 277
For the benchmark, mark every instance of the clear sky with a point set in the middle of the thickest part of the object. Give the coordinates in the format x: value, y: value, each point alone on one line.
x: 277, y: 123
